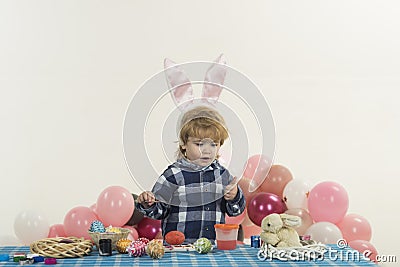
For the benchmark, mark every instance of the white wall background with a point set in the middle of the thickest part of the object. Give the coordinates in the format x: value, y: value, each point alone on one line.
x: 68, y: 69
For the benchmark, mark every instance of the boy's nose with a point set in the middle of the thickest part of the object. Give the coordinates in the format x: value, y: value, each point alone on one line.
x: 207, y: 149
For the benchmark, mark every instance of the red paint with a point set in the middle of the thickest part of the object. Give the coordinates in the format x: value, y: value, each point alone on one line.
x: 226, y: 244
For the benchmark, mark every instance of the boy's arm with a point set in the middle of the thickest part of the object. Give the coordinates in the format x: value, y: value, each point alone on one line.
x: 237, y: 205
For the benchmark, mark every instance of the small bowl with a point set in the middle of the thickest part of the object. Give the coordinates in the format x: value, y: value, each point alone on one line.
x: 96, y: 236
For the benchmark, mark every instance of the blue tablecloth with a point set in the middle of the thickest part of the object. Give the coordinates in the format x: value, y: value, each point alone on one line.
x: 244, y: 255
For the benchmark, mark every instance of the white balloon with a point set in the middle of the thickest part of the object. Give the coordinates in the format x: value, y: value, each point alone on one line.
x: 295, y: 194
x: 324, y: 232
x: 30, y: 226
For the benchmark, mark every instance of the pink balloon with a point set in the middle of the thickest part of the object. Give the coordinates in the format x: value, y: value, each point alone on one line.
x: 256, y: 169
x: 115, y: 206
x: 244, y: 184
x: 78, y: 220
x: 56, y: 230
x: 365, y: 248
x: 278, y: 177
x: 328, y: 202
x: 246, y: 221
x: 133, y: 235
x: 93, y: 207
x: 149, y: 228
x: 306, y: 220
x: 355, y: 227
x: 251, y: 230
x: 236, y: 220
x: 264, y: 204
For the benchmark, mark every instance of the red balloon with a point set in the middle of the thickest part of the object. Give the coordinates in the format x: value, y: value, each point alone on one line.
x: 264, y: 204
x: 355, y: 227
x: 365, y: 248
x: 276, y: 180
x: 78, y: 220
x: 56, y: 230
x: 149, y: 228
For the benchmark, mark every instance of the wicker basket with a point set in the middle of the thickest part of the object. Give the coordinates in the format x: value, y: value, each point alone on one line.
x: 62, y: 247
x: 96, y: 236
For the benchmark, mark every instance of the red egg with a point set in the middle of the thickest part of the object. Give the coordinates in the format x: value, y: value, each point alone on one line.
x: 174, y: 238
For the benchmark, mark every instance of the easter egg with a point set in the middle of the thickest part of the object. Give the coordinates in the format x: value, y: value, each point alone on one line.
x: 97, y: 226
x: 136, y: 249
x: 174, y: 238
x: 122, y: 245
x: 155, y: 249
x: 203, y: 245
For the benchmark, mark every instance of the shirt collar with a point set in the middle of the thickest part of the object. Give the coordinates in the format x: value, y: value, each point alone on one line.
x: 186, y: 165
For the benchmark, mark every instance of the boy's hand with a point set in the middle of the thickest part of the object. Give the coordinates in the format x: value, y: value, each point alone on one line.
x: 146, y: 199
x: 231, y: 190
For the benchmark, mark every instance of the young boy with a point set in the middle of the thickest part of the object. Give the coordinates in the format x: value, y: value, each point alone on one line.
x: 194, y: 193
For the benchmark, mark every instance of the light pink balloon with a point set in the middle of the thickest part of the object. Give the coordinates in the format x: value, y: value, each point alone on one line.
x: 244, y: 184
x: 306, y: 220
x: 355, y: 227
x: 236, y: 220
x: 115, y: 206
x: 78, y: 220
x: 133, y: 235
x: 93, y: 207
x: 256, y: 169
x: 56, y: 230
x: 324, y: 232
x: 328, y: 202
x: 365, y: 248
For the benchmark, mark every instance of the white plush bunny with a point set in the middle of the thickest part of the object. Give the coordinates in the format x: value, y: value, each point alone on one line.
x: 277, y: 230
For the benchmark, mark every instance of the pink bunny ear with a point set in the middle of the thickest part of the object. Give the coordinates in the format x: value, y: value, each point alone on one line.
x: 215, y: 77
x: 182, y: 91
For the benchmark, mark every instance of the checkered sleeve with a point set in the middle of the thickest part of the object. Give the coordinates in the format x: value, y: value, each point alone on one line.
x: 237, y: 205
x: 157, y: 211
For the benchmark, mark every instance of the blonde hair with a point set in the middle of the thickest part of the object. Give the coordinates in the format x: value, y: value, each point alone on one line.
x: 201, y: 122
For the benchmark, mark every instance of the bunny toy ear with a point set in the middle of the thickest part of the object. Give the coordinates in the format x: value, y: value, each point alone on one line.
x: 290, y: 220
x: 215, y: 77
x: 179, y: 83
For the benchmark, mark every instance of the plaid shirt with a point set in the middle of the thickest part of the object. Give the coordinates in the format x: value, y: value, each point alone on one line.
x: 195, y: 199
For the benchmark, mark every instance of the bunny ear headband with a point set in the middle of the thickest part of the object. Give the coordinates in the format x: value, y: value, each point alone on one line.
x: 181, y: 87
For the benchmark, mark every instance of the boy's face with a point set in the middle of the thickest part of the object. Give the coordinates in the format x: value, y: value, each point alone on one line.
x: 201, y: 151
